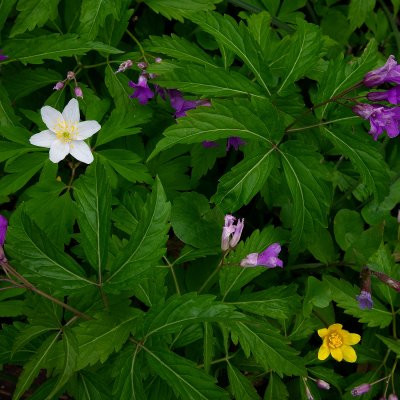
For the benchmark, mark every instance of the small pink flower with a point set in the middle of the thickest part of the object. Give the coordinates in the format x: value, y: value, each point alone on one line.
x: 268, y: 258
x: 59, y: 85
x: 78, y: 92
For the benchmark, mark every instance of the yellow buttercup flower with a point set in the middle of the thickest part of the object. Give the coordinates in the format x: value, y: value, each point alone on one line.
x: 337, y: 342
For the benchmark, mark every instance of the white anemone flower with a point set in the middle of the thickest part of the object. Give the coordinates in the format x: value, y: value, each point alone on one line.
x: 65, y: 134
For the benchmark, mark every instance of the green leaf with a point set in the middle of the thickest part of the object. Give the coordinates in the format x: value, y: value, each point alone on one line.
x: 344, y: 294
x: 208, y: 81
x: 268, y: 347
x: 359, y: 10
x: 7, y: 114
x: 317, y: 294
x: 117, y: 84
x: 240, y: 386
x: 193, y: 221
x: 208, y: 346
x: 146, y: 245
x: 238, y: 39
x: 93, y: 196
x: 87, y: 385
x: 311, y: 195
x: 301, y: 54
x: 33, y: 366
x: 348, y: 226
x: 367, y: 160
x: 244, y: 181
x: 392, y: 344
x: 5, y: 8
x: 342, y: 74
x: 33, y: 250
x: 276, y: 389
x: 53, y: 47
x: 280, y: 302
x: 181, y: 311
x: 179, y: 48
x: 178, y: 9
x: 183, y: 376
x: 34, y: 13
x: 29, y: 333
x: 94, y: 14
x: 257, y: 120
x: 11, y: 308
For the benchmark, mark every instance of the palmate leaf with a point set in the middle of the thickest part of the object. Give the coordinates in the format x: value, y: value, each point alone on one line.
x: 268, y: 347
x: 94, y: 14
x: 240, y: 386
x: 258, y: 120
x: 33, y: 250
x: 146, y: 245
x: 344, y: 294
x: 310, y: 193
x: 367, y: 160
x: 208, y: 81
x: 238, y: 39
x: 53, y: 47
x: 93, y: 197
x: 178, y: 9
x: 341, y: 75
x: 181, y: 311
x: 244, y: 181
x: 34, y: 13
x: 183, y: 376
x: 179, y: 48
x: 392, y: 344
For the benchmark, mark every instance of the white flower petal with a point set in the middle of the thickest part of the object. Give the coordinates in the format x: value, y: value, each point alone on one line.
x: 51, y: 117
x: 71, y: 112
x: 43, y: 139
x: 81, y: 151
x: 86, y: 129
x: 58, y: 151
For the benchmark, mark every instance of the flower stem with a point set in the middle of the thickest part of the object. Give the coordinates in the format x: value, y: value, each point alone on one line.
x: 208, y: 280
x: 171, y: 268
x: 133, y: 37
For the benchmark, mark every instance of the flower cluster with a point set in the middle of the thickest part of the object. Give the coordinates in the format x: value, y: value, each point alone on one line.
x: 231, y: 233
x: 70, y: 77
x: 382, y: 117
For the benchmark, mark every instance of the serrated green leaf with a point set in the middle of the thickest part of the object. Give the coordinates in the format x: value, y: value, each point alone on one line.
x: 5, y: 8
x: 179, y: 48
x: 244, y: 181
x: 183, y: 376
x: 11, y: 308
x: 7, y: 114
x: 310, y: 193
x: 178, y: 9
x: 240, y: 386
x: 257, y: 120
x: 28, y: 334
x: 359, y: 11
x: 53, y: 47
x: 86, y: 385
x: 180, y: 311
x: 348, y: 226
x: 93, y: 196
x: 94, y: 14
x: 117, y: 84
x: 367, y: 160
x: 238, y: 39
x: 268, y: 347
x: 33, y: 366
x: 146, y: 245
x: 34, y: 13
x: 392, y: 344
x: 276, y: 389
x: 344, y: 294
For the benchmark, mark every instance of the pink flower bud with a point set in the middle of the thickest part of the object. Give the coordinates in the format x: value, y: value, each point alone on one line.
x: 322, y: 384
x: 142, y: 65
x: 393, y: 396
x: 158, y: 60
x: 70, y: 75
x: 78, y: 92
x: 59, y: 85
x: 361, y: 389
x: 124, y: 66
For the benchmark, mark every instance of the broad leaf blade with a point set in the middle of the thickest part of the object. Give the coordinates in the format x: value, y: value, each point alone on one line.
x: 240, y: 386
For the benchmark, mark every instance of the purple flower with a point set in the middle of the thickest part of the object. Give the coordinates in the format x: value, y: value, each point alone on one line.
x: 359, y: 390
x: 124, y: 66
x: 364, y: 300
x: 393, y: 396
x: 142, y: 65
x: 209, y: 143
x: 180, y: 105
x: 322, y: 384
x: 235, y: 142
x: 268, y: 258
x: 390, y: 72
x: 59, y: 85
x: 2, y: 57
x: 78, y: 92
x: 3, y: 229
x: 392, y: 95
x: 142, y: 91
x: 231, y: 233
x: 380, y: 117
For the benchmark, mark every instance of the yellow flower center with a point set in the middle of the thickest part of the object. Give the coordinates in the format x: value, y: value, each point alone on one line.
x: 65, y: 131
x: 335, y: 340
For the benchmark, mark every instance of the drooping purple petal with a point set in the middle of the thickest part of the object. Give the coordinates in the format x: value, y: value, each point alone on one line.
x: 364, y: 300
x: 390, y: 72
x: 235, y: 142
x: 392, y: 95
x: 142, y: 91
x: 2, y: 57
x: 269, y: 257
x: 180, y: 105
x: 3, y: 229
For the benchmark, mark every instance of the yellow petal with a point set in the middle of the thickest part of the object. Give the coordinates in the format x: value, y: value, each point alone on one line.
x: 350, y: 338
x: 323, y: 352
x: 337, y: 354
x: 349, y: 354
x: 336, y: 327
x: 322, y: 332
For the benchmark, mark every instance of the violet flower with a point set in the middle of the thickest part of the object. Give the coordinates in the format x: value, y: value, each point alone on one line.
x: 2, y: 57
x: 209, y: 143
x: 392, y: 95
x: 380, y: 117
x: 235, y: 142
x: 231, y: 233
x: 58, y: 85
x: 365, y: 300
x: 268, y: 258
x: 3, y: 229
x: 390, y: 72
x: 142, y: 91
x: 78, y: 92
x: 362, y: 389
x: 180, y: 105
x: 322, y: 384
